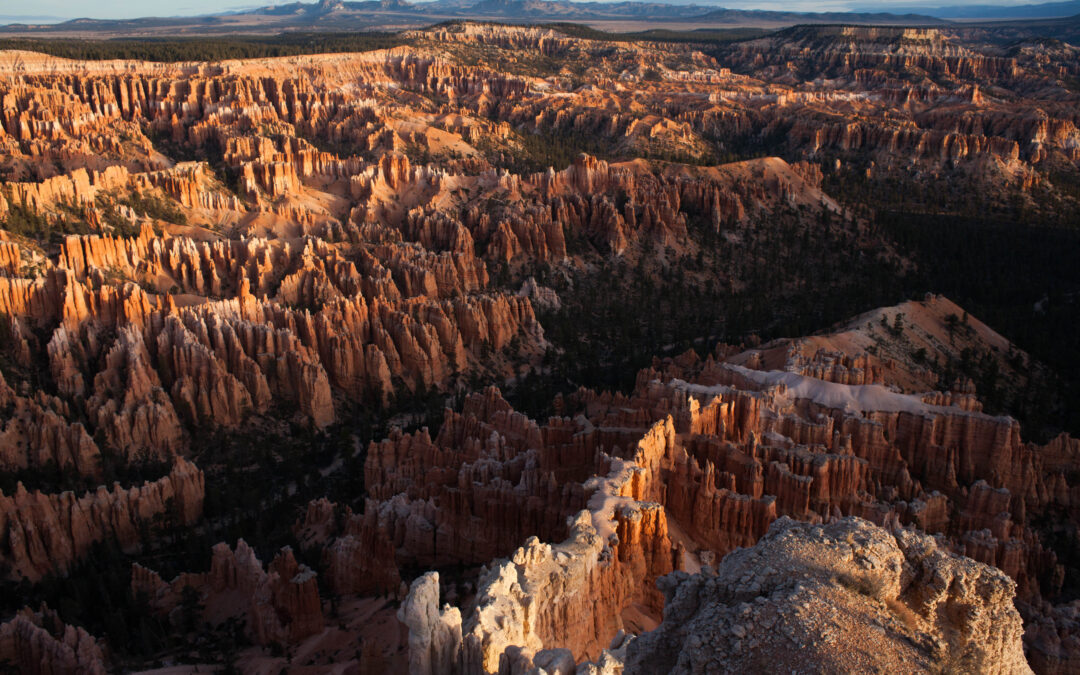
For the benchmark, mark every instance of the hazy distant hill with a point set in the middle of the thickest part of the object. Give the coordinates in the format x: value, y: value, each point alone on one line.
x: 751, y: 15
x: 339, y: 15
x: 988, y: 11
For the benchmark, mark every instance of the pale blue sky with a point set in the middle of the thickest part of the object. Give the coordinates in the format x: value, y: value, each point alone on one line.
x: 12, y: 10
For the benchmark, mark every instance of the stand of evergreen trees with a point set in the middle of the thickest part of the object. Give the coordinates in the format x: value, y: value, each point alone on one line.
x: 207, y: 48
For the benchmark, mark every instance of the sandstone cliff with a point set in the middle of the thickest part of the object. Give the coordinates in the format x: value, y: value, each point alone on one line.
x: 351, y: 242
x: 47, y: 533
x: 278, y: 605
x: 844, y: 597
x: 357, y: 554
x: 38, y: 643
x: 733, y: 449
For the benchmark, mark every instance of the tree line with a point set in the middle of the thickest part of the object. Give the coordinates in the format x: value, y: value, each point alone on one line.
x: 171, y: 50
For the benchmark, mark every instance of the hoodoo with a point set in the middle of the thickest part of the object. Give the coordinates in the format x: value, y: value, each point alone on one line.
x: 506, y: 349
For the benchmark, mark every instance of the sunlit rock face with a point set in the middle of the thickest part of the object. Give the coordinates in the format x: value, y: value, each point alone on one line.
x: 302, y: 249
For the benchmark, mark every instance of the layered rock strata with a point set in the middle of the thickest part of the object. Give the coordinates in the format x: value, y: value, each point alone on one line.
x: 47, y: 533
x: 279, y: 604
x: 734, y: 450
x: 38, y: 643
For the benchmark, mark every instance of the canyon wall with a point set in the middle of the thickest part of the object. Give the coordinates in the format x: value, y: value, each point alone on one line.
x: 280, y: 604
x: 48, y: 533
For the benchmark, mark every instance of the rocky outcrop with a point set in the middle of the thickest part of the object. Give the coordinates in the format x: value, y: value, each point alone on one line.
x: 318, y: 266
x: 805, y: 596
x: 279, y: 604
x: 434, y: 634
x: 1052, y: 634
x: 48, y: 533
x: 38, y: 643
x: 128, y: 406
x: 379, y: 268
x: 732, y: 450
x: 847, y: 49
x: 358, y: 556
x: 223, y: 361
x: 473, y: 493
x: 36, y: 434
x: 584, y: 585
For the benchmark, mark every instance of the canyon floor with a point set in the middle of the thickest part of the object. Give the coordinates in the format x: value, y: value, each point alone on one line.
x: 514, y: 350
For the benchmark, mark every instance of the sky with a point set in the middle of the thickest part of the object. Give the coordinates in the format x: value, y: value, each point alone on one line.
x: 44, y: 10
